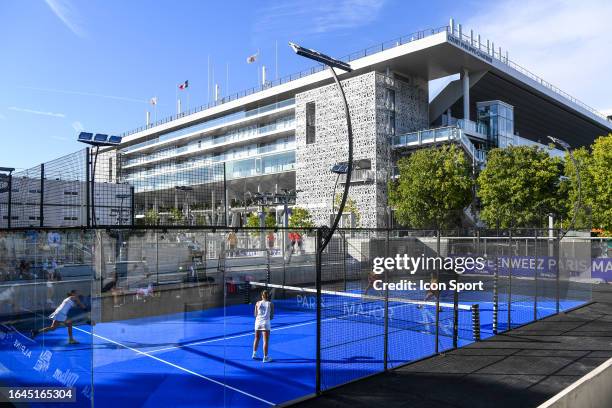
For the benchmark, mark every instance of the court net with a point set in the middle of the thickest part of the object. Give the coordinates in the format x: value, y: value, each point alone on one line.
x: 460, y: 321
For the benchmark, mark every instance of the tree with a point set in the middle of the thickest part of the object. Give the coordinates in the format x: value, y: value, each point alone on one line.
x: 519, y: 187
x: 568, y: 191
x: 602, y: 194
x: 300, y: 218
x: 434, y: 186
x: 349, y: 207
x: 175, y: 216
x: 151, y: 217
x: 253, y: 220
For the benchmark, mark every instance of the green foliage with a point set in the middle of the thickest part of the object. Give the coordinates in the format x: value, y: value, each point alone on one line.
x: 595, y: 209
x: 253, y: 220
x: 434, y: 186
x: 151, y: 217
x: 175, y: 215
x: 568, y: 190
x: 300, y: 218
x: 349, y: 207
x: 519, y: 187
x: 600, y: 197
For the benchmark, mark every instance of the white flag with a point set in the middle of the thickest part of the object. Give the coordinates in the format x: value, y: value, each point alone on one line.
x: 153, y: 101
x: 251, y: 59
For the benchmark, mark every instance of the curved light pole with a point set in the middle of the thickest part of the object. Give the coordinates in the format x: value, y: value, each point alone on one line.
x: 566, y: 146
x: 332, y: 63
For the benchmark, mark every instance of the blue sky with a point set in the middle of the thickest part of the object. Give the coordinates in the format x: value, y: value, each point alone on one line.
x: 69, y: 65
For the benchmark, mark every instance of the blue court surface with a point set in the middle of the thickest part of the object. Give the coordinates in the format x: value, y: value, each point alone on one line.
x: 203, y: 358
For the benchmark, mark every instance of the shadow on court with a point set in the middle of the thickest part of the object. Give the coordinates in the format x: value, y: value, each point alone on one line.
x: 521, y: 368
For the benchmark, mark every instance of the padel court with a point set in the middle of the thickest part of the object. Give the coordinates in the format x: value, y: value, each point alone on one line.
x: 203, y: 358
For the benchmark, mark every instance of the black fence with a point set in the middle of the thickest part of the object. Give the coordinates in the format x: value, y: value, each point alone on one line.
x: 167, y: 289
x: 89, y: 188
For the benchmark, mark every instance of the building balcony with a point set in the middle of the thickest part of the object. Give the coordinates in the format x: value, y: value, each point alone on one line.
x: 430, y: 137
x: 359, y: 176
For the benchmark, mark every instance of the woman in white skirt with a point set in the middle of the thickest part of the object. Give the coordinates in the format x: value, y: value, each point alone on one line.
x: 60, y: 315
x: 264, y: 312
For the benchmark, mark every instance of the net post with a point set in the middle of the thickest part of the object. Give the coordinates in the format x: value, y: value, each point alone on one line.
x: 496, y: 292
x: 476, y: 321
x: 558, y: 277
x: 437, y: 347
x: 386, y: 345
x: 318, y: 287
x: 41, y: 212
x: 535, y: 277
x: 509, y: 278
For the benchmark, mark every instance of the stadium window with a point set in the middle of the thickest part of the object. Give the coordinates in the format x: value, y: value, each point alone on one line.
x: 310, y: 123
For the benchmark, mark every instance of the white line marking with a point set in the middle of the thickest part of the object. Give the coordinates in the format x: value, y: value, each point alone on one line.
x: 19, y: 333
x: 177, y: 366
x: 229, y: 338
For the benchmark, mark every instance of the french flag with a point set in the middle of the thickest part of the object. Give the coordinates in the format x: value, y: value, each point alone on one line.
x: 184, y: 85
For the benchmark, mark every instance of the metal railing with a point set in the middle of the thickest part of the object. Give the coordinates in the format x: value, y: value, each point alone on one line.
x: 489, y: 50
x: 438, y: 135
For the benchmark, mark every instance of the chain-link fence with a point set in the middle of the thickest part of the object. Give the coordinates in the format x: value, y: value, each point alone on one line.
x: 92, y: 188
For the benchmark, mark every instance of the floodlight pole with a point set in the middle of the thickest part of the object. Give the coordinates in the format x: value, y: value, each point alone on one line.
x: 94, y: 221
x: 566, y: 147
x: 349, y: 171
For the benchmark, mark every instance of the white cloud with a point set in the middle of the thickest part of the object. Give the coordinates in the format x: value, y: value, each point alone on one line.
x: 37, y: 112
x: 305, y: 17
x: 68, y: 15
x: 77, y: 126
x: 565, y: 42
x: 82, y: 93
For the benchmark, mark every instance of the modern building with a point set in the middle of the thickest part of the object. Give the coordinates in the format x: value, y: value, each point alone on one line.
x: 287, y: 135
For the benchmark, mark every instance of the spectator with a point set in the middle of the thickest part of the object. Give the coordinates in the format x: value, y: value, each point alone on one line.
x: 271, y: 239
x: 232, y: 241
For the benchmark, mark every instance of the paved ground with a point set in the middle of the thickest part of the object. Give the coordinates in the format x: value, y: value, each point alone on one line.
x: 522, y: 368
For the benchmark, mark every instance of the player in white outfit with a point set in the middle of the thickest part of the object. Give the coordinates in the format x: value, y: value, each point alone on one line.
x: 60, y: 315
x: 264, y: 312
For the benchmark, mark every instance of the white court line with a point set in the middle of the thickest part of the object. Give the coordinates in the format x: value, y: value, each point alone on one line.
x: 18, y: 332
x: 403, y: 302
x: 176, y: 366
x: 229, y: 338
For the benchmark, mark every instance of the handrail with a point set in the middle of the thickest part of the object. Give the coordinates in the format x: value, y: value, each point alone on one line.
x: 364, y: 53
x: 464, y: 38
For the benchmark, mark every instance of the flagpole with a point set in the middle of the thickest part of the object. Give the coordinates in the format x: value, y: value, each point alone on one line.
x: 276, y: 59
x: 177, y: 99
x: 227, y: 78
x: 208, y: 80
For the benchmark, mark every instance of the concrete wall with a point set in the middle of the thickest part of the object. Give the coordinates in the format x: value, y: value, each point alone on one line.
x: 591, y: 391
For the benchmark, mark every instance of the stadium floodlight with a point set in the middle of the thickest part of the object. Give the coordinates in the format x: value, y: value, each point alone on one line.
x: 7, y: 169
x: 566, y: 146
x: 319, y: 57
x: 85, y: 137
x: 332, y: 63
x: 99, y: 139
x: 340, y: 168
x: 560, y: 142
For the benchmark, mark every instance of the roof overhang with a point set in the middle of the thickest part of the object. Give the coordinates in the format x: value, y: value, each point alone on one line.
x: 432, y: 57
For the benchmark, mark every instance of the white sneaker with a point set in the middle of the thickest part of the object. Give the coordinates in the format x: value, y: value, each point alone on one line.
x: 254, y: 356
x: 267, y: 359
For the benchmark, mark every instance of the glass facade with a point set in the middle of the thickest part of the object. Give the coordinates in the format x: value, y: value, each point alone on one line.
x: 499, y: 120
x: 211, y: 123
